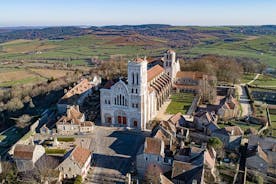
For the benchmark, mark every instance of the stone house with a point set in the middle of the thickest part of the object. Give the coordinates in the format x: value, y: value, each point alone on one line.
x: 262, y: 155
x: 73, y: 123
x: 26, y: 156
x: 187, y: 173
x: 76, y: 162
x: 206, y: 122
x: 229, y: 108
x: 152, y: 155
x: 231, y: 136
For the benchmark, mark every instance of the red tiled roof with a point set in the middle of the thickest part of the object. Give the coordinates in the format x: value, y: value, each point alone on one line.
x: 153, y: 146
x: 80, y: 88
x: 24, y: 152
x: 80, y: 155
x: 154, y: 71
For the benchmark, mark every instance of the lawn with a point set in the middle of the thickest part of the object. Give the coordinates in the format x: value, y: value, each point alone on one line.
x: 180, y: 102
x: 265, y: 80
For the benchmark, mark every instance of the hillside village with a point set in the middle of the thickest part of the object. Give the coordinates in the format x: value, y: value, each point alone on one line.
x: 158, y: 124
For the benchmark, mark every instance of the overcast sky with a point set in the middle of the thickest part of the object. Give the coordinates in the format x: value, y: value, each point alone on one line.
x: 111, y: 12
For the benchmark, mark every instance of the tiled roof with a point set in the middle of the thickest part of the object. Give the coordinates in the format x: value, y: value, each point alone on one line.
x: 161, y: 135
x: 154, y: 72
x: 153, y: 146
x: 80, y: 155
x: 80, y: 88
x: 24, y: 152
x: 175, y: 118
x: 73, y: 116
x: 86, y: 123
x: 180, y: 167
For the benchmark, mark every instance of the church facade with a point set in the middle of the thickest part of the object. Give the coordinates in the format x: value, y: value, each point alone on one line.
x: 135, y: 101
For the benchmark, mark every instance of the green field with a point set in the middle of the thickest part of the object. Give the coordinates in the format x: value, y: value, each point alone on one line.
x: 180, y: 102
x: 264, y: 80
x: 247, y: 77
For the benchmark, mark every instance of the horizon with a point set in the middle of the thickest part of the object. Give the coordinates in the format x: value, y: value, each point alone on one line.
x: 87, y: 26
x: 122, y: 12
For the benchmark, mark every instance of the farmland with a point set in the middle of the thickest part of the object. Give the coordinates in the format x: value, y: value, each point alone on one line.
x: 75, y: 48
x: 9, y: 78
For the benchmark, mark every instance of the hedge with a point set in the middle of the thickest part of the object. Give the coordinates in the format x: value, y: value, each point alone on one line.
x: 66, y: 139
x: 55, y: 151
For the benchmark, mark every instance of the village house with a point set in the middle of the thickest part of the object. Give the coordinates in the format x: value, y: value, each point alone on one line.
x: 73, y: 123
x: 26, y: 156
x: 229, y: 108
x: 77, y: 94
x: 231, y: 137
x: 206, y: 122
x: 261, y: 155
x: 152, y: 155
x: 187, y: 173
x: 76, y: 162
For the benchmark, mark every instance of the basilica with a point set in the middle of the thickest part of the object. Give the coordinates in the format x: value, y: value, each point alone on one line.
x: 134, y: 101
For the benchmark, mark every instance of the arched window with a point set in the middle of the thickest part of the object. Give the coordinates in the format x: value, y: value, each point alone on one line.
x: 136, y: 91
x: 123, y: 100
x: 120, y: 100
x: 132, y: 78
x: 115, y: 101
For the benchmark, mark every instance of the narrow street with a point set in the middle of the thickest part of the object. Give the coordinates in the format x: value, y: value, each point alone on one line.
x: 244, y: 101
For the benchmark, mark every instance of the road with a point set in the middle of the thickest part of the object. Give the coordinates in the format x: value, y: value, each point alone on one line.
x: 244, y: 100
